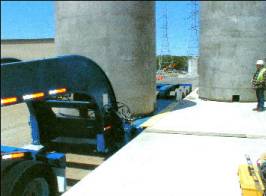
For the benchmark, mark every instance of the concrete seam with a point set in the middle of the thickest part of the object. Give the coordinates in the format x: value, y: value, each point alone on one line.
x: 214, y: 134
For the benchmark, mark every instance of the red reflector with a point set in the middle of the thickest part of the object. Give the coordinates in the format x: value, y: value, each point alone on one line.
x: 107, y: 128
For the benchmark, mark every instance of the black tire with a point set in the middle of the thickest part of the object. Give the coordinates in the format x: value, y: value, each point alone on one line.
x: 8, y: 164
x: 17, y: 180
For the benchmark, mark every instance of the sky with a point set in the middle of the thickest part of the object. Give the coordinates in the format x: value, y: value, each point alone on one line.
x: 36, y: 19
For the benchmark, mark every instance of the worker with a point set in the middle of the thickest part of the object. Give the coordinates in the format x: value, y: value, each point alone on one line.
x: 259, y: 84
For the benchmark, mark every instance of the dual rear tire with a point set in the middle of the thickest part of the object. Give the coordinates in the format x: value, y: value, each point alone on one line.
x: 29, y: 178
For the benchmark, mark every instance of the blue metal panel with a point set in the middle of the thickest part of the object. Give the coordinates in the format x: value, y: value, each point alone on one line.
x: 165, y: 87
x: 51, y: 155
x: 76, y: 73
x: 190, y: 85
x: 55, y: 155
x: 128, y: 134
x: 140, y: 121
x: 100, y: 143
x: 9, y: 149
x: 35, y: 135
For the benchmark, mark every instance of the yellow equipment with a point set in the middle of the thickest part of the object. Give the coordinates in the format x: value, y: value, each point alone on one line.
x: 250, y: 180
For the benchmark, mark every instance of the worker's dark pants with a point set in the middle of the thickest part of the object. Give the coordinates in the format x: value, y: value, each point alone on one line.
x: 260, y: 98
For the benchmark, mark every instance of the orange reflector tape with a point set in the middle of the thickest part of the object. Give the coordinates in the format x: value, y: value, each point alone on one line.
x: 57, y: 91
x: 108, y: 127
x: 13, y: 155
x: 33, y: 96
x: 9, y: 100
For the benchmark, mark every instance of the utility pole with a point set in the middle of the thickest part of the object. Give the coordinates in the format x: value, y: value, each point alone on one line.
x: 193, y: 39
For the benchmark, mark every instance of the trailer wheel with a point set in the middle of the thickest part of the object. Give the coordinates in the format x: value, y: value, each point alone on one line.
x: 29, y: 178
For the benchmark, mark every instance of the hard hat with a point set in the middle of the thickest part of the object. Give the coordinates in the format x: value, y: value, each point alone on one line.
x: 260, y: 62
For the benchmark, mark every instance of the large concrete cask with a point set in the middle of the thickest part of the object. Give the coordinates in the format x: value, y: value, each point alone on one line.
x: 118, y: 36
x: 232, y: 38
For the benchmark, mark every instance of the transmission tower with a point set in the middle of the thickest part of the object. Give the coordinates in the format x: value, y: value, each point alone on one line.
x: 165, y: 48
x: 193, y: 20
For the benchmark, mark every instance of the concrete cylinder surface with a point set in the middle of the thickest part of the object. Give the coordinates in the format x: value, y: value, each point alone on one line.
x: 232, y: 38
x: 119, y: 37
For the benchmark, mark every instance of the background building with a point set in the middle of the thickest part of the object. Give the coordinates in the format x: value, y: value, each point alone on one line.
x: 28, y: 49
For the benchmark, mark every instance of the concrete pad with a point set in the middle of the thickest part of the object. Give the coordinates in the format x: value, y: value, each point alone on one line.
x: 172, y: 164
x: 196, y: 116
x: 195, y: 149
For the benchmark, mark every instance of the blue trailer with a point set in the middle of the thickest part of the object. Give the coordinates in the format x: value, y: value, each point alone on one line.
x: 48, y: 86
x: 166, y: 91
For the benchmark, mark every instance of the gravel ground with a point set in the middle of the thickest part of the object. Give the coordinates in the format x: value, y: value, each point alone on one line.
x: 15, y: 130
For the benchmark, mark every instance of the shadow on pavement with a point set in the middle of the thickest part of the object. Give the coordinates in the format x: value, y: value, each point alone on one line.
x: 184, y: 104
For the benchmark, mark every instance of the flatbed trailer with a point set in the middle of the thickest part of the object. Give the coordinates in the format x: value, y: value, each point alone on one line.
x: 50, y: 87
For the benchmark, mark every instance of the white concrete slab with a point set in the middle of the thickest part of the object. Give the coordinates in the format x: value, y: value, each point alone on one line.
x: 196, y: 116
x: 193, y: 150
x: 171, y: 165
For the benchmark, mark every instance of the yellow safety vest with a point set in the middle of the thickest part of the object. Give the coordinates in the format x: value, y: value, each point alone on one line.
x: 260, y: 75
